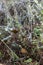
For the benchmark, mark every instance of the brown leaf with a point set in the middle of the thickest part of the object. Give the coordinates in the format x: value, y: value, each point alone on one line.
x: 24, y: 51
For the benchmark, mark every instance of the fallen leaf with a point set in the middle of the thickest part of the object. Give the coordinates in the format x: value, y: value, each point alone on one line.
x: 24, y: 51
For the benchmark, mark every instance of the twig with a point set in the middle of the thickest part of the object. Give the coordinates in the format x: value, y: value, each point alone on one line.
x: 12, y: 53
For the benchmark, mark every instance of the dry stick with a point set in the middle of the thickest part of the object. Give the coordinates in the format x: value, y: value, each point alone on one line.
x: 12, y: 53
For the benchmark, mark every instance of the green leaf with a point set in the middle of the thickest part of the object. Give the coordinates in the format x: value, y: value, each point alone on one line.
x: 1, y: 54
x: 41, y: 11
x: 29, y: 60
